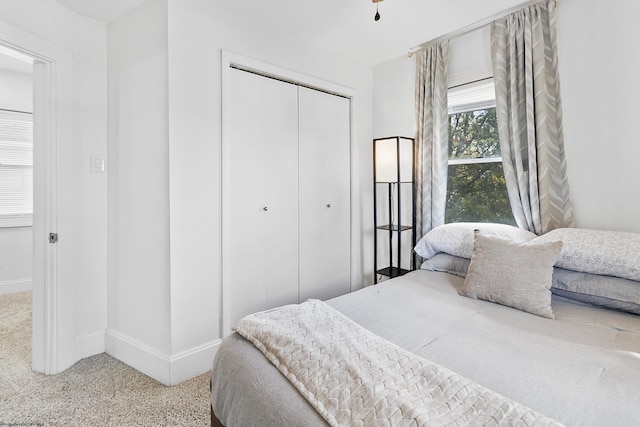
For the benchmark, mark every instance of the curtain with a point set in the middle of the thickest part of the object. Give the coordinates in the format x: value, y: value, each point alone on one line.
x: 525, y: 66
x: 432, y: 135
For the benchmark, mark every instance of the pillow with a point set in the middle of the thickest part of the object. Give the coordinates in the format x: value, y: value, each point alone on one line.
x: 610, y: 253
x: 604, y: 291
x: 512, y: 273
x: 447, y: 263
x: 457, y: 238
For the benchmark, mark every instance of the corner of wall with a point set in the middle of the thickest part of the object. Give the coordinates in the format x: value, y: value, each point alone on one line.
x: 89, y: 345
x: 168, y: 370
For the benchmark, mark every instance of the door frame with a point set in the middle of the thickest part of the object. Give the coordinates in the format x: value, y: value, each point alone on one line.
x: 53, y: 334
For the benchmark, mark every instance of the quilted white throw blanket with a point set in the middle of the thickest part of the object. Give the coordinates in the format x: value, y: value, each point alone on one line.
x: 356, y: 378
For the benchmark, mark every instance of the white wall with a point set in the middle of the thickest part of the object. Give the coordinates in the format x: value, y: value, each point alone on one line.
x: 15, y: 259
x: 164, y: 195
x: 393, y: 107
x: 599, y: 88
x: 599, y: 72
x: 15, y: 242
x: 16, y: 91
x: 470, y: 57
x: 139, y: 312
x: 81, y: 209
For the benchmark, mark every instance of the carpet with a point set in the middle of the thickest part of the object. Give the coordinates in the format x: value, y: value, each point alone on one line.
x: 96, y: 391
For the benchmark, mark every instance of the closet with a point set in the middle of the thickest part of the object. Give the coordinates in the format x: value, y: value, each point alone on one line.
x: 285, y: 194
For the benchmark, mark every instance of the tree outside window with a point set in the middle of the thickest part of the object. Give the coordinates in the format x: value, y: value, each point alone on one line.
x: 476, y: 187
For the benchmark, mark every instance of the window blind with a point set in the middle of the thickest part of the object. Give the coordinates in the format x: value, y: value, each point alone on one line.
x: 472, y: 96
x: 16, y: 169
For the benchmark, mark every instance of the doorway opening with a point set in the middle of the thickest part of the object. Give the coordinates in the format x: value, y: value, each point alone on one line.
x: 16, y: 199
x: 50, y: 76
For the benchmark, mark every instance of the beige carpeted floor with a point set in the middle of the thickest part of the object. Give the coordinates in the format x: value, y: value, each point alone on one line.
x: 97, y: 391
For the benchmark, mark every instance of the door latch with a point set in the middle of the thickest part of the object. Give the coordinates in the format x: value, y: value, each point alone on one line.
x: 53, y: 237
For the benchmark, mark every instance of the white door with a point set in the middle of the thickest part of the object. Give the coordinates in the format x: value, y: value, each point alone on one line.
x: 260, y: 190
x: 325, y: 213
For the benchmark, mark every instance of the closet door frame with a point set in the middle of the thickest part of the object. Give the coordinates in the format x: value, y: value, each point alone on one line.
x: 230, y: 60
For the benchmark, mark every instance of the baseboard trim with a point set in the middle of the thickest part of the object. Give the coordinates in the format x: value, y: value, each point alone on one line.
x: 90, y: 345
x: 11, y: 286
x: 138, y: 355
x: 193, y: 362
x: 169, y: 370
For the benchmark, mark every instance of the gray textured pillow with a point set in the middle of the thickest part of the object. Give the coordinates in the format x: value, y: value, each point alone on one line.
x: 447, y: 263
x: 604, y: 291
x: 457, y: 238
x: 611, y: 253
x: 512, y: 273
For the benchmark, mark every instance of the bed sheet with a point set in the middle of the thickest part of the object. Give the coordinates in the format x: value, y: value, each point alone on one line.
x: 583, y: 368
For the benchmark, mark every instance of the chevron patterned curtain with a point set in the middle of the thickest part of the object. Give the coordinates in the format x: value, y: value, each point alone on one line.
x: 432, y: 135
x: 525, y: 66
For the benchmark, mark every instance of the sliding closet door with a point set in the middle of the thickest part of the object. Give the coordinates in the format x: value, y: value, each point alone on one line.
x: 325, y: 214
x: 260, y: 195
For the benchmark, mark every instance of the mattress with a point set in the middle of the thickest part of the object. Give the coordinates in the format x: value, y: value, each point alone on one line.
x: 583, y: 368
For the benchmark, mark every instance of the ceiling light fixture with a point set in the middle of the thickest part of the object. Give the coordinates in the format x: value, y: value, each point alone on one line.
x: 377, y: 15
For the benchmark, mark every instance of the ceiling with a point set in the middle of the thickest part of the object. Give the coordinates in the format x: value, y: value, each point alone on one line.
x: 102, y: 10
x: 345, y: 27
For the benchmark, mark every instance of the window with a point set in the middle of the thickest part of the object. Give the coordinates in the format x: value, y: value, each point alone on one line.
x: 476, y: 188
x: 16, y: 169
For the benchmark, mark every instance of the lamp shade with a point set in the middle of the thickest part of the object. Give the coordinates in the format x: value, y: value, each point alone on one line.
x: 391, y: 153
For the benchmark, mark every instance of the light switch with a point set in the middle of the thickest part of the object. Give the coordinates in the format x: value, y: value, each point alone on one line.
x: 97, y: 164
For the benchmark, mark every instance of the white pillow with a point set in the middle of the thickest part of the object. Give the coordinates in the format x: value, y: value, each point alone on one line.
x: 612, y: 253
x: 451, y: 264
x: 457, y: 238
x: 514, y: 274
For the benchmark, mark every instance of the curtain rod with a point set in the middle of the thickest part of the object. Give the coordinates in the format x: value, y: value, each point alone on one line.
x: 475, y: 26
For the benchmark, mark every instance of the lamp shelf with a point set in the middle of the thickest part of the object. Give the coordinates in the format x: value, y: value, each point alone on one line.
x: 394, y: 227
x: 392, y: 271
x: 394, y: 198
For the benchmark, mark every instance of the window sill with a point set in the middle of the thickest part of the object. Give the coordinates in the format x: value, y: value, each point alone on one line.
x: 8, y: 221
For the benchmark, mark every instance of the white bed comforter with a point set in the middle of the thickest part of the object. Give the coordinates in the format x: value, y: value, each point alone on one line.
x: 581, y: 369
x: 353, y: 377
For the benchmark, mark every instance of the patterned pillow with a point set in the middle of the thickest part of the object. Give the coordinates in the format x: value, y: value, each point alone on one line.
x: 511, y: 273
x: 615, y: 293
x: 611, y: 253
x: 457, y: 238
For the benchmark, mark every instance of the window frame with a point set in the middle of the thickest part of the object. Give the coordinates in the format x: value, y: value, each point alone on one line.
x: 469, y: 97
x: 472, y: 97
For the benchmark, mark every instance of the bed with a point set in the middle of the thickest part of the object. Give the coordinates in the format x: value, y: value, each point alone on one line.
x: 574, y: 359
